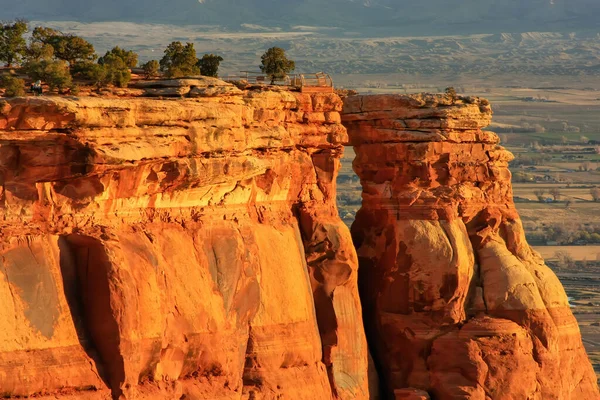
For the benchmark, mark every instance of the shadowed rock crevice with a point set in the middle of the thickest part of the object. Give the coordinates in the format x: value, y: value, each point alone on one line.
x: 332, y: 265
x: 86, y: 269
x: 252, y: 378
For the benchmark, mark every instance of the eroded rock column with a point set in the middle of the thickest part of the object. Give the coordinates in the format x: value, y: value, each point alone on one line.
x: 456, y: 303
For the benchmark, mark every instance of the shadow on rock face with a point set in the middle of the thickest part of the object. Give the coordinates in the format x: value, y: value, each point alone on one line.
x: 85, y: 270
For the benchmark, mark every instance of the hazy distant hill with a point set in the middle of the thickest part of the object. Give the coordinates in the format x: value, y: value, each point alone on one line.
x: 406, y: 17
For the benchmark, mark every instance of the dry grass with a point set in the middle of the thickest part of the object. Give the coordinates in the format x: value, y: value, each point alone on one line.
x: 526, y: 190
x: 579, y: 253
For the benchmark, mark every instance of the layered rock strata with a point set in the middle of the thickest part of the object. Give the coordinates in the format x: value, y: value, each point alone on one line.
x: 456, y: 303
x: 166, y: 249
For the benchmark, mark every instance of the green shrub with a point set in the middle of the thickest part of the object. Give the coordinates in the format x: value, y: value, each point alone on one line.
x: 151, y: 69
x: 13, y: 86
x: 117, y: 71
x: 39, y: 51
x: 179, y: 60
x: 89, y: 71
x: 128, y: 56
x: 67, y: 47
x: 74, y: 89
x: 12, y: 42
x: 209, y: 65
x: 54, y: 72
x: 113, y: 70
x: 451, y: 93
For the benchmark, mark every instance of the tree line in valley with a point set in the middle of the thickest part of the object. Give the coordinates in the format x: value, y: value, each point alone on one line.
x: 58, y: 59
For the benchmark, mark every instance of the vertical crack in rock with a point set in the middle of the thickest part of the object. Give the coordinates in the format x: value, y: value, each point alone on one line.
x: 72, y: 289
x: 251, y: 376
x: 85, y: 270
x: 439, y: 185
x: 332, y: 266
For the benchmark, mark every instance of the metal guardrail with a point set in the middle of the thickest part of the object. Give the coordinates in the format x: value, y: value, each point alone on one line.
x: 317, y: 79
x: 309, y: 82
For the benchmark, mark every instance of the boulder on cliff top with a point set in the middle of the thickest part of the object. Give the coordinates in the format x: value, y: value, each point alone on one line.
x: 198, y: 81
x: 202, y: 86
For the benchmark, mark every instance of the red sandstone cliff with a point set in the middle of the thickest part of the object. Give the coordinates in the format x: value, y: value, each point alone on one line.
x: 191, y: 249
x: 455, y: 301
x: 167, y: 249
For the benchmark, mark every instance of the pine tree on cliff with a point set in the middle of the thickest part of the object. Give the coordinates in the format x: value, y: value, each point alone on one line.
x: 67, y: 47
x: 12, y: 43
x: 275, y: 63
x: 129, y: 57
x: 209, y: 65
x: 179, y: 60
x: 151, y: 69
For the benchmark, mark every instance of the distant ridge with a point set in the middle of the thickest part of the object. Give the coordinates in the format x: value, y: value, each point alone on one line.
x: 406, y: 17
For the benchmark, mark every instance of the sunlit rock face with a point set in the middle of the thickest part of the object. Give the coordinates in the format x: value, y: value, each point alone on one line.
x: 183, y: 248
x: 190, y: 248
x: 456, y: 303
